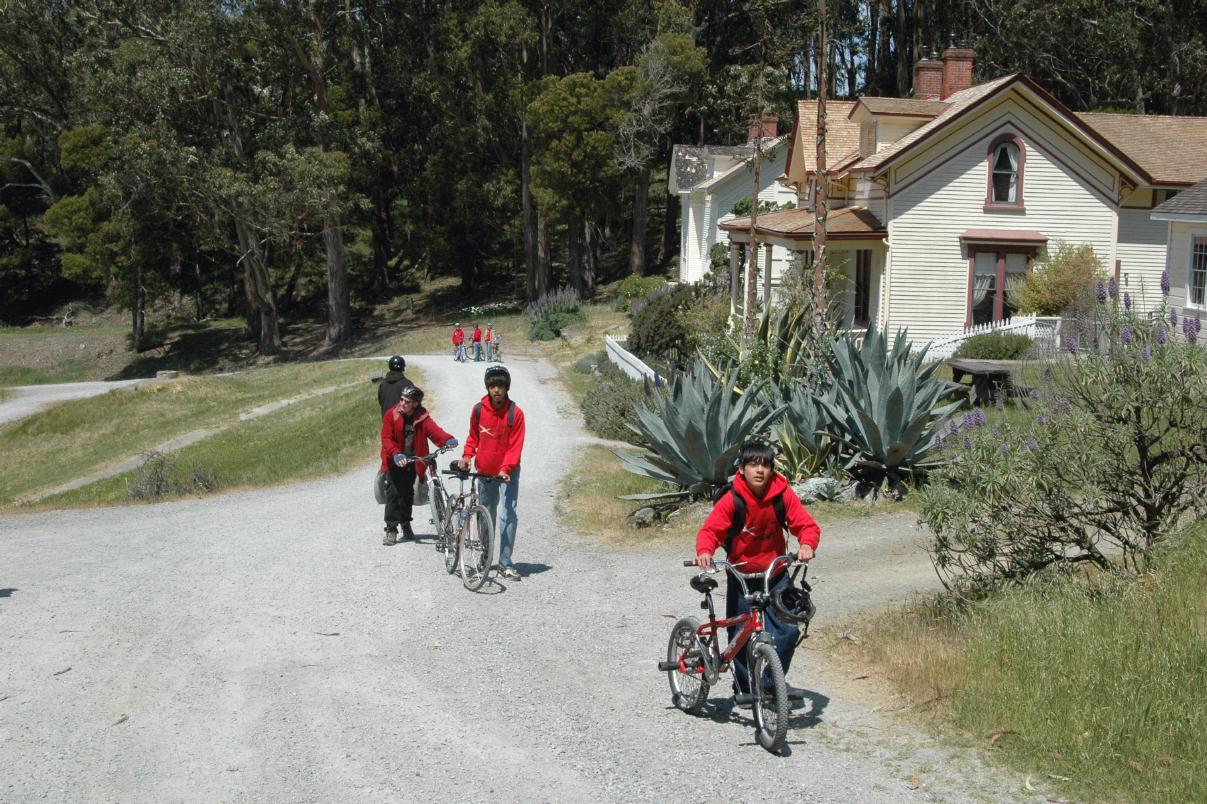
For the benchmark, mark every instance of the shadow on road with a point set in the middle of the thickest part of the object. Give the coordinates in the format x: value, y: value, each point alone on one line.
x: 526, y: 569
x: 804, y: 714
x: 7, y: 592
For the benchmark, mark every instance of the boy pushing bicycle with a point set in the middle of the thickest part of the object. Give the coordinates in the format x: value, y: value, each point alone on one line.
x: 749, y: 520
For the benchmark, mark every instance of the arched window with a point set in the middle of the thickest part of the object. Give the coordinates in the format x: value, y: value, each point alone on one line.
x: 1005, y: 182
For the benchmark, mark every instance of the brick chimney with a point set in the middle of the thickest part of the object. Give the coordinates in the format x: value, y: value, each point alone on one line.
x: 957, y: 70
x: 928, y: 78
x: 769, y: 130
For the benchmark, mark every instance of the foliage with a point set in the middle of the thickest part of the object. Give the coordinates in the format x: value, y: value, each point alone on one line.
x: 742, y: 207
x: 635, y: 287
x: 159, y: 476
x: 995, y: 346
x: 609, y: 408
x: 1063, y: 281
x: 717, y: 278
x: 552, y: 313
x: 806, y: 447
x: 659, y: 326
x: 692, y: 437
x: 1114, y: 461
x: 885, y: 405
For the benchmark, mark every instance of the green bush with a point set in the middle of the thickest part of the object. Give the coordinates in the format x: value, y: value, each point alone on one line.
x: 552, y: 313
x: 635, y: 287
x: 1063, y: 281
x: 995, y: 346
x: 588, y: 364
x: 608, y: 409
x: 660, y: 326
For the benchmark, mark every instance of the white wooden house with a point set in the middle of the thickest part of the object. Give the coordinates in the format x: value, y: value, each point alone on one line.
x: 1185, y: 217
x: 943, y: 201
x: 709, y: 180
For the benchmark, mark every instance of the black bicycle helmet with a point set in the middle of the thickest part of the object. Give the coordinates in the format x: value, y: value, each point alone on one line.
x: 792, y: 604
x: 496, y: 373
x: 413, y: 393
x: 397, y: 363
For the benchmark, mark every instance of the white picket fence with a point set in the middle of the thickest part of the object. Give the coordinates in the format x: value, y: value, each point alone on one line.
x: 1044, y: 330
x: 628, y: 362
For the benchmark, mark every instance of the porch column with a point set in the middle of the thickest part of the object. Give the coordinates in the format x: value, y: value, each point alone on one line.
x: 733, y: 278
x: 770, y: 249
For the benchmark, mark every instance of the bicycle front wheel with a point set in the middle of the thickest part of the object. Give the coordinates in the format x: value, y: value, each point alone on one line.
x: 438, y: 504
x: 770, y: 692
x: 448, y: 538
x: 477, y: 539
x: 688, y: 690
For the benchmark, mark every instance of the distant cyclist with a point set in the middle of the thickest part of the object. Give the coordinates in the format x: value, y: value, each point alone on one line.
x: 477, y: 338
x: 389, y: 391
x: 405, y: 431
x: 487, y: 338
x: 458, y: 342
x: 496, y: 439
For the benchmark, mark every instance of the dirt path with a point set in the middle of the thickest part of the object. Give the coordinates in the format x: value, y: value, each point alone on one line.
x: 265, y: 646
x: 30, y: 399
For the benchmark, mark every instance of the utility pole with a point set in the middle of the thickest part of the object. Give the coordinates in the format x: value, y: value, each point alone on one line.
x: 752, y: 267
x: 823, y: 174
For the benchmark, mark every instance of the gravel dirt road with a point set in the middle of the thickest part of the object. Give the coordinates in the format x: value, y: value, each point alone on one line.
x: 264, y: 646
x: 30, y: 399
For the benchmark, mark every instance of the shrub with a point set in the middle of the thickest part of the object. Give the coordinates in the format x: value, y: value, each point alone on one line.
x: 588, y: 364
x: 635, y: 287
x: 995, y: 346
x: 159, y: 476
x: 659, y: 326
x: 1114, y: 461
x: 717, y: 277
x: 1063, y: 279
x: 553, y: 312
x: 608, y: 409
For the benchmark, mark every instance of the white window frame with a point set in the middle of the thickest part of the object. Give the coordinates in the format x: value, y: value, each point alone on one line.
x: 1194, y: 233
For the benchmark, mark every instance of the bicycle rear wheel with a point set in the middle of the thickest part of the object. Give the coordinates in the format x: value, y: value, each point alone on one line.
x: 688, y: 690
x: 448, y: 538
x: 477, y: 539
x: 770, y: 705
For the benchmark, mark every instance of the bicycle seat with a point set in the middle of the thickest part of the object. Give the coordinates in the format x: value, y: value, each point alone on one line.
x: 703, y: 584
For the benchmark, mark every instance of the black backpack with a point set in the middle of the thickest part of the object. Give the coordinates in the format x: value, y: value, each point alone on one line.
x: 739, y: 512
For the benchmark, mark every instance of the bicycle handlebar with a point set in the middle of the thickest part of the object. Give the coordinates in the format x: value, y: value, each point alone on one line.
x: 467, y: 475
x: 790, y: 563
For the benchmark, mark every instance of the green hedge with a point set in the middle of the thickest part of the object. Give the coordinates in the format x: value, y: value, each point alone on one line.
x: 995, y: 346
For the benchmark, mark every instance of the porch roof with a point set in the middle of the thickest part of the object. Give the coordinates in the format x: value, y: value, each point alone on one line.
x: 847, y: 223
x: 1026, y: 236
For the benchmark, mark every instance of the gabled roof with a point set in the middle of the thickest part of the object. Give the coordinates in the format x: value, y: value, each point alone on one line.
x: 903, y: 107
x: 692, y: 165
x: 1187, y: 202
x: 1172, y: 150
x: 842, y: 136
x: 855, y: 223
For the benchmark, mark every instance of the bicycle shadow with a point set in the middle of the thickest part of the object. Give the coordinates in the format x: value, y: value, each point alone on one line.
x: 804, y: 714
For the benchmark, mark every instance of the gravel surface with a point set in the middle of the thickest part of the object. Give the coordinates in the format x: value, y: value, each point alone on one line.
x: 265, y: 646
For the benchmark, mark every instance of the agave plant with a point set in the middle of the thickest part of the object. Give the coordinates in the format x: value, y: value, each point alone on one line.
x: 693, y: 436
x: 806, y: 448
x: 884, y: 406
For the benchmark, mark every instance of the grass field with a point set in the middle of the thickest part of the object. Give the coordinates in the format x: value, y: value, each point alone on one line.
x: 80, y: 437
x: 1099, y: 688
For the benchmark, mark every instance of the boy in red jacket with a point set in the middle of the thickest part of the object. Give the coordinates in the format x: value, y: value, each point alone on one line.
x: 763, y: 490
x: 406, y: 429
x: 458, y: 342
x: 477, y: 337
x: 496, y: 439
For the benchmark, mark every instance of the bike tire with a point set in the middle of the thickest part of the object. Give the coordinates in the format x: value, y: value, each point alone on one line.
x: 475, y: 548
x: 448, y: 535
x: 438, y: 504
x: 689, y: 691
x: 770, y: 704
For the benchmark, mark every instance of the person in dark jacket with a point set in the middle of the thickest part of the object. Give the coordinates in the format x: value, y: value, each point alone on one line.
x: 390, y: 389
x: 405, y: 431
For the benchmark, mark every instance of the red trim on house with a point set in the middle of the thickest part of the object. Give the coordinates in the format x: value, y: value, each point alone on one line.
x: 971, y: 269
x: 1005, y: 206
x: 1027, y: 243
x: 1024, y: 238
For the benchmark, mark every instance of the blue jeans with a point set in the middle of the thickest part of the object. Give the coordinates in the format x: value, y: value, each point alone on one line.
x: 477, y: 351
x: 488, y: 355
x: 459, y: 352
x: 784, y: 635
x: 505, y: 522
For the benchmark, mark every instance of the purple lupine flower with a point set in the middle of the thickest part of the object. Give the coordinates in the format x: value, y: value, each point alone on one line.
x: 1048, y: 374
x: 1127, y: 300
x: 1071, y: 345
x: 1042, y: 420
x: 1145, y: 355
x: 1192, y: 336
x: 981, y: 418
x: 1125, y: 336
x: 1112, y: 288
x: 997, y: 434
x: 1032, y: 445
x: 1186, y: 326
x: 967, y: 423
x: 1198, y: 324
x: 1033, y: 393
x: 1165, y: 283
x: 1173, y: 318
x: 939, y: 441
x: 967, y: 442
x: 1062, y: 405
x: 953, y: 428
x: 1161, y: 336
x: 1100, y: 292
x: 1005, y: 448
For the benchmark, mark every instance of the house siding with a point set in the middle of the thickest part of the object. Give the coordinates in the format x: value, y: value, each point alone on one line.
x: 1179, y: 233
x: 928, y: 287
x: 1141, y: 255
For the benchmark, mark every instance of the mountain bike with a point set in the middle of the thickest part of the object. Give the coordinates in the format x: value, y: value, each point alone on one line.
x: 471, y: 549
x: 694, y: 660
x: 437, y: 496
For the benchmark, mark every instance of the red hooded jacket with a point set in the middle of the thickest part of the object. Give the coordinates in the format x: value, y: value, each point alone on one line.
x: 477, y: 334
x: 496, y: 444
x: 458, y: 336
x: 392, y: 436
x: 761, y: 540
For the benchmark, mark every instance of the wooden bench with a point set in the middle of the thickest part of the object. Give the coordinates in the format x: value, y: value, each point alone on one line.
x: 987, y: 378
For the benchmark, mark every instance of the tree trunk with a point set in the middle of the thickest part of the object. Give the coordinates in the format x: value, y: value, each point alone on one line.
x: 138, y: 320
x: 574, y: 264
x: 873, y: 48
x: 532, y: 252
x: 670, y: 231
x: 544, y: 262
x: 888, y: 73
x: 904, y: 62
x: 641, y: 198
x: 261, y: 303
x: 590, y: 258
x: 339, y: 309
x: 823, y: 179
x: 383, y: 251
x: 199, y: 312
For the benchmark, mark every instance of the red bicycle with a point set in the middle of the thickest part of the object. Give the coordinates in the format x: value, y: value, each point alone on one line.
x: 694, y: 660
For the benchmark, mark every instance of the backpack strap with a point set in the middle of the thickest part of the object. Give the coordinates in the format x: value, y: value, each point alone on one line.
x: 738, y: 521
x: 473, y: 424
